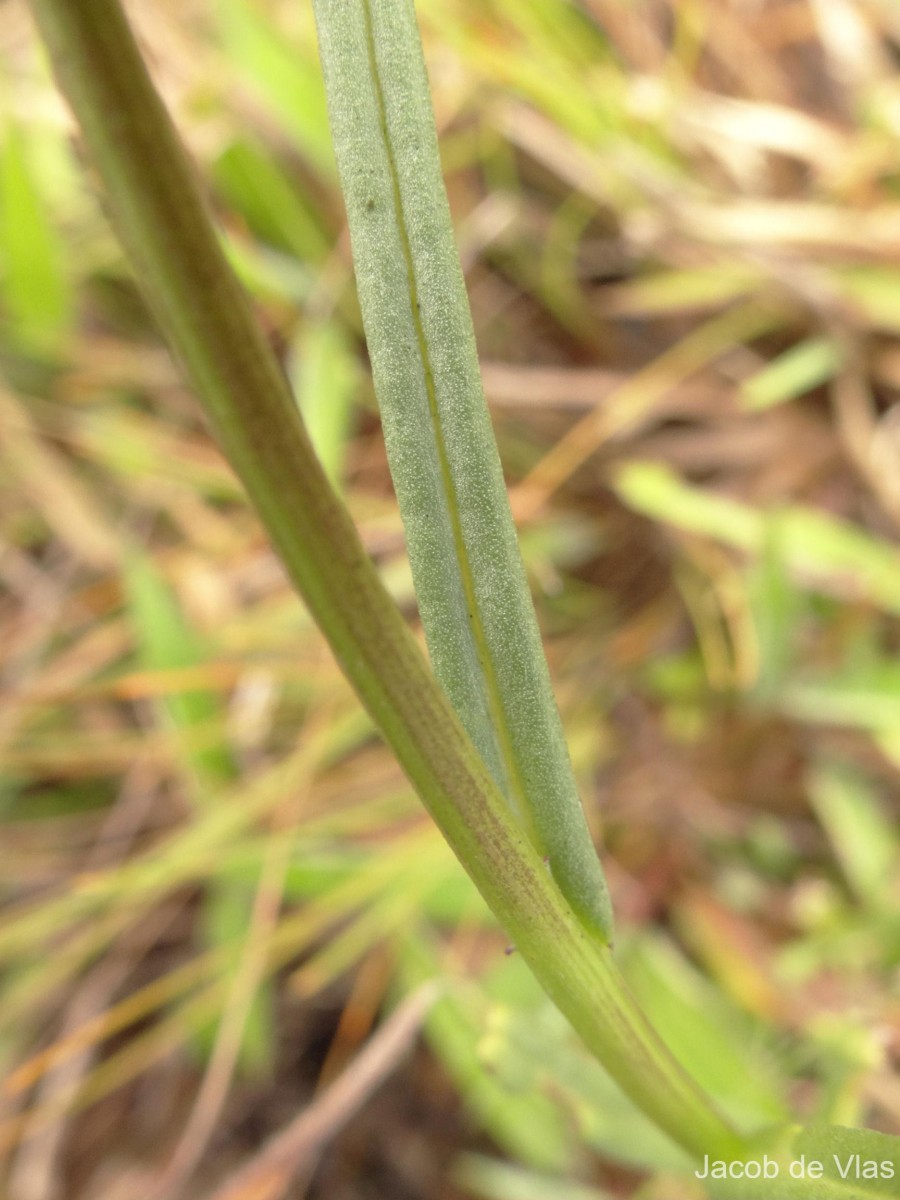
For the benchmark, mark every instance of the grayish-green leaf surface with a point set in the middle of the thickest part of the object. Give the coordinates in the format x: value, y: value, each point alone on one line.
x: 470, y: 583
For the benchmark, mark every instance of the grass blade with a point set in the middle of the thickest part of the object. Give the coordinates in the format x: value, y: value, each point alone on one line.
x: 166, y: 641
x: 34, y: 287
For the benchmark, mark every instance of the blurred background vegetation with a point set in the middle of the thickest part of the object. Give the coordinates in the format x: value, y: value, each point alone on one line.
x: 680, y: 225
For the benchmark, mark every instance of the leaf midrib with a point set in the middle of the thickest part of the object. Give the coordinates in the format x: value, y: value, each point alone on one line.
x: 512, y: 784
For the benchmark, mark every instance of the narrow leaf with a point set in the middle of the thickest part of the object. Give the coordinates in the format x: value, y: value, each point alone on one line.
x: 167, y: 641
x: 323, y: 368
x: 860, y: 830
x: 794, y: 373
x: 824, y: 553
x: 470, y: 583
x: 34, y: 288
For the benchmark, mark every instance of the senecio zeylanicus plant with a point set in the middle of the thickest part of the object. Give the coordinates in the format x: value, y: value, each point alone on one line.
x: 479, y: 738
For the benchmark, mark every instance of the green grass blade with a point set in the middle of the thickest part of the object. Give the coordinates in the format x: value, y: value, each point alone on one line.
x: 166, y: 641
x: 865, y: 842
x: 470, y: 583
x: 256, y: 50
x: 823, y: 553
x: 323, y: 367
x: 794, y: 373
x: 34, y: 290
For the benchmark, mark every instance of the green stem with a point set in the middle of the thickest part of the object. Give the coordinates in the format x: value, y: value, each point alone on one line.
x: 164, y: 224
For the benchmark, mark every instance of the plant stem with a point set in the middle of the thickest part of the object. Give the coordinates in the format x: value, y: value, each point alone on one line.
x: 157, y: 207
